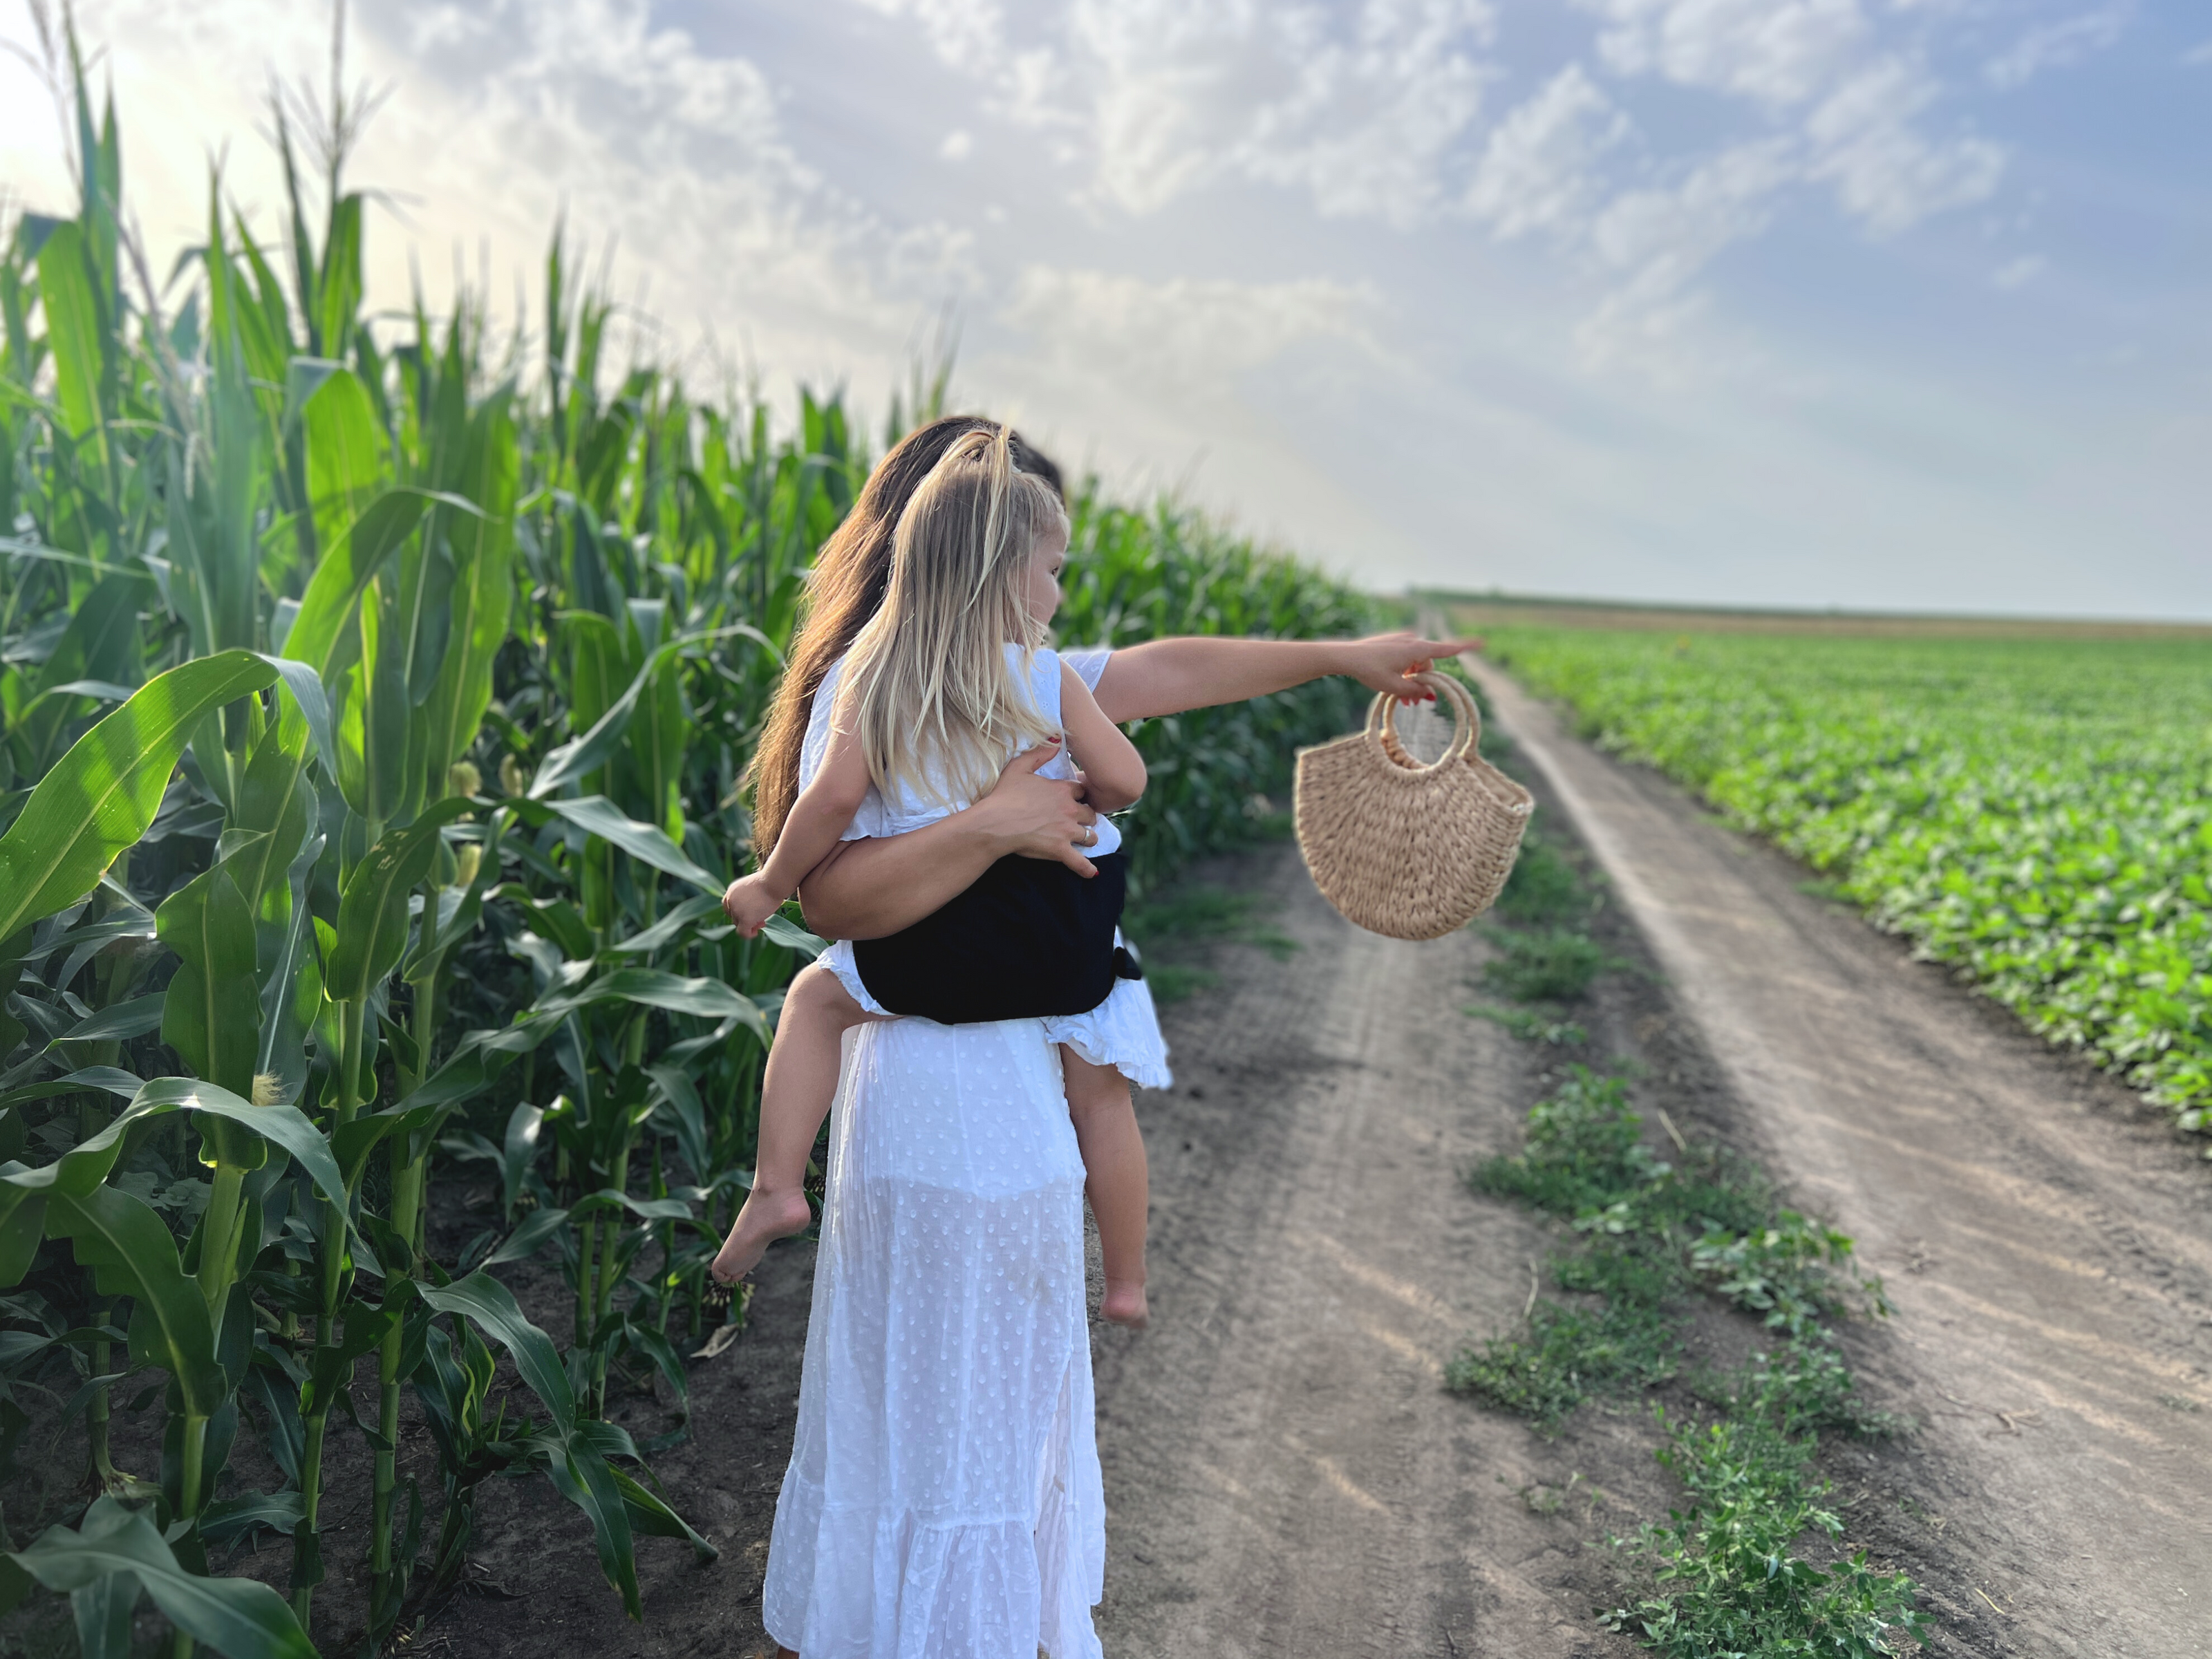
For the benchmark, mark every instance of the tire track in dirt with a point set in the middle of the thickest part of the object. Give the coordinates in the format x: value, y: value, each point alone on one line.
x: 2049, y: 1244
x: 1284, y: 1472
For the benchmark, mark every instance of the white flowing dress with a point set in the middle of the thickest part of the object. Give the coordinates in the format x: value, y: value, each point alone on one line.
x: 943, y: 1498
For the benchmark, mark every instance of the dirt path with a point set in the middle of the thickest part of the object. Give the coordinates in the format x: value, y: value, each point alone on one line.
x: 2049, y: 1244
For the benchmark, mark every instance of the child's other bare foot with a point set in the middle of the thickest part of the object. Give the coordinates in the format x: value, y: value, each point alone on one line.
x: 765, y: 1217
x: 1124, y: 1304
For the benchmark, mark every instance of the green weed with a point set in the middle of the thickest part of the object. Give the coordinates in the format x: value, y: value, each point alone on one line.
x: 1567, y: 1355
x: 1544, y: 886
x: 1731, y: 1584
x: 1584, y: 1147
x: 1528, y: 1025
x: 1556, y: 964
x: 1192, y: 912
x: 1170, y: 927
x: 1786, y: 1272
x: 1171, y: 981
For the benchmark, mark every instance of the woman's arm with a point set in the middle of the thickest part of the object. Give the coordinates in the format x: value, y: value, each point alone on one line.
x: 1112, y: 771
x: 1167, y: 677
x: 866, y: 889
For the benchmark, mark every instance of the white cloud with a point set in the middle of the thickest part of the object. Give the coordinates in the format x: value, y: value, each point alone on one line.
x: 1660, y: 240
x: 1358, y: 107
x: 971, y: 37
x: 2197, y: 56
x: 1538, y: 169
x: 1887, y: 174
x: 958, y: 145
x: 2053, y: 45
x: 1832, y: 106
x: 2019, y: 273
x: 1372, y: 117
x: 1371, y: 108
x: 642, y: 134
x: 1776, y: 51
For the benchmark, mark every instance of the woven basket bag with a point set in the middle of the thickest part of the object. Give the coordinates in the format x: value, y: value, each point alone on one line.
x: 1404, y: 849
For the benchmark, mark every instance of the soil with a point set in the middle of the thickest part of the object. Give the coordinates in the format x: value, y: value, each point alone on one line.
x: 1285, y: 1472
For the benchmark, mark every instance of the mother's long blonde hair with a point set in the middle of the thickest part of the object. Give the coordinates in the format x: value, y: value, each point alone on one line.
x: 937, y: 703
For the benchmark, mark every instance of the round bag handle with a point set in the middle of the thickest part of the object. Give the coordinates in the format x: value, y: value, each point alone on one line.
x: 1466, y: 719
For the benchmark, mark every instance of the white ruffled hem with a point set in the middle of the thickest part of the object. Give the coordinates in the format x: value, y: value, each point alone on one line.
x: 838, y: 960
x: 1123, y: 1031
x: 901, y: 1586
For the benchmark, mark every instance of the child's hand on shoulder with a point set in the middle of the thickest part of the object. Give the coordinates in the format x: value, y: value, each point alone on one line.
x: 749, y: 902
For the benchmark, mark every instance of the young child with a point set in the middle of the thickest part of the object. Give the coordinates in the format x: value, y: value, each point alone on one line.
x: 940, y: 687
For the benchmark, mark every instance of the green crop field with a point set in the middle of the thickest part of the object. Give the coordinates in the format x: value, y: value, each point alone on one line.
x: 374, y: 697
x: 2037, y: 812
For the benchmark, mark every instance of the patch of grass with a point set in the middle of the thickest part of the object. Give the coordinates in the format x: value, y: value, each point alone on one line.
x: 1584, y: 1147
x: 1171, y: 981
x: 1529, y: 1024
x: 1195, y: 913
x: 1730, y: 1582
x: 1170, y: 927
x: 1546, y: 887
x: 1554, y: 964
x: 1727, y: 1583
x: 1567, y: 1354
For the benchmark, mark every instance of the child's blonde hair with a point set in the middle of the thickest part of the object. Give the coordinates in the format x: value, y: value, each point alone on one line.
x: 940, y: 708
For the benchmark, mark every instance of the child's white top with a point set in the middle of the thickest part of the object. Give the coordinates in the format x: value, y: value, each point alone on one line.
x: 1123, y: 1031
x: 878, y: 818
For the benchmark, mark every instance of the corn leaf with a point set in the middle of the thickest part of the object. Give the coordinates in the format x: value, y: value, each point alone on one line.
x: 73, y: 327
x: 372, y: 911
x: 649, y: 987
x: 492, y: 1307
x: 350, y: 563
x: 597, y: 816
x: 239, y: 1618
x: 101, y: 796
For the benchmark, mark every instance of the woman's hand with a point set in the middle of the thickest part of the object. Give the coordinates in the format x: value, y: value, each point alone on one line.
x: 866, y: 889
x: 1381, y: 662
x: 1035, y: 817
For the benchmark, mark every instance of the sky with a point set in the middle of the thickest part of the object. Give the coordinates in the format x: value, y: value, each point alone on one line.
x: 1877, y: 304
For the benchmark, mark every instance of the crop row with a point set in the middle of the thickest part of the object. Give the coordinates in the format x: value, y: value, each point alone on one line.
x: 2036, y: 813
x: 373, y: 702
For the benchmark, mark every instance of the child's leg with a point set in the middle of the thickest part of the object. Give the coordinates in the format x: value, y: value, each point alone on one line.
x: 1116, y: 1182
x: 795, y: 1097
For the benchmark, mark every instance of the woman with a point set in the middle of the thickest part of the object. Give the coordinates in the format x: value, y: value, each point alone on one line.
x: 868, y: 889
x: 943, y: 1498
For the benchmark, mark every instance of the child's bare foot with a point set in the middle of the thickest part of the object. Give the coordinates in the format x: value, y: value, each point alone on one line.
x: 765, y: 1217
x: 1124, y: 1304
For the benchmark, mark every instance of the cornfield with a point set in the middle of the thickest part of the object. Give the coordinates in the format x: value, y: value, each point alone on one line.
x: 373, y: 702
x: 2031, y: 811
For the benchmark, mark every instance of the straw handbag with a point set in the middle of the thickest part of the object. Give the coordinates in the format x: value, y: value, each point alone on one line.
x: 1401, y: 849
